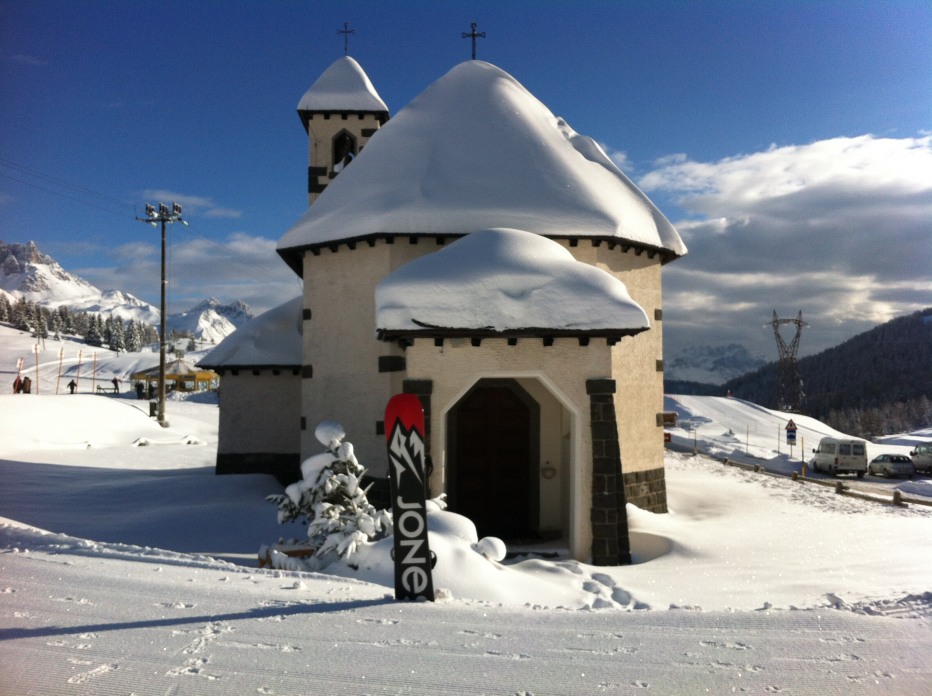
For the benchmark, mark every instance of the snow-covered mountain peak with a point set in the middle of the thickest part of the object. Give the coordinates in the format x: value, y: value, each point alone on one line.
x: 210, y: 320
x: 25, y: 272
x: 29, y: 273
x: 711, y: 364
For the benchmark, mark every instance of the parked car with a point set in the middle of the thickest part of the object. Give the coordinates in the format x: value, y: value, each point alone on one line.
x: 922, y: 458
x: 892, y: 465
x: 838, y: 456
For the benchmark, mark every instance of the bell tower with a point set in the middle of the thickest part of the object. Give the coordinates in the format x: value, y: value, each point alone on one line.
x: 340, y: 112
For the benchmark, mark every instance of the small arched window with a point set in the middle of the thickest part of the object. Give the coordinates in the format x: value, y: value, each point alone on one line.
x: 344, y: 150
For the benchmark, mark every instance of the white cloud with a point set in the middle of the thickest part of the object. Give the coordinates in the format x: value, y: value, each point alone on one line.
x: 620, y: 158
x: 839, y: 228
x: 241, y: 267
x: 26, y: 59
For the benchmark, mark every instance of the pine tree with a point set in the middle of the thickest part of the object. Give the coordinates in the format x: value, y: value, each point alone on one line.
x: 332, y: 501
x: 40, y: 327
x: 117, y: 338
x: 56, y: 324
x: 22, y: 315
x: 107, y: 333
x: 79, y: 324
x: 93, y: 336
x: 132, y: 337
x: 67, y: 320
x: 6, y: 309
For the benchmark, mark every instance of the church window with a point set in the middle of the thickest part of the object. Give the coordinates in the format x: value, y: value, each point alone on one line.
x: 344, y: 149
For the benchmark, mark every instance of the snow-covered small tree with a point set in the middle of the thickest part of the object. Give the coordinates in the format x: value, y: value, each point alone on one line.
x: 39, y: 324
x: 117, y: 339
x: 23, y: 315
x: 6, y: 309
x: 331, y: 500
x: 133, y: 339
x: 79, y: 323
x: 55, y: 323
x: 94, y: 335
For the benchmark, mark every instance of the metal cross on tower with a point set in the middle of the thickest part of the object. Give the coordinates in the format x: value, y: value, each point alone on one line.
x: 346, y: 31
x: 789, y: 386
x: 473, y: 34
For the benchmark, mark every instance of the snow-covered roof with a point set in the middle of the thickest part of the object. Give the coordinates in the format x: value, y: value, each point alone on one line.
x: 476, y: 150
x: 178, y: 366
x: 271, y: 339
x: 504, y: 280
x: 343, y: 87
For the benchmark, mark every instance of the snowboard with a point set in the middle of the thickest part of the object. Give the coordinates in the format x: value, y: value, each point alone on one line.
x: 404, y: 434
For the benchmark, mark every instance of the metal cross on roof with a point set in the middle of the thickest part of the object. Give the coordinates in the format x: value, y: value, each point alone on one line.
x: 346, y: 31
x: 473, y: 35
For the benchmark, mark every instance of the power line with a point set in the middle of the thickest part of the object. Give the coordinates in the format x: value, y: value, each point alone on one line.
x: 22, y: 170
x: 65, y: 195
x: 78, y: 193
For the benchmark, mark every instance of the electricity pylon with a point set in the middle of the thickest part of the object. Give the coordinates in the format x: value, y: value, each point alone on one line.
x: 789, y: 386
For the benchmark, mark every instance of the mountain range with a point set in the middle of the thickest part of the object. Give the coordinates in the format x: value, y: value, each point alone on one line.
x: 26, y: 272
x: 711, y: 364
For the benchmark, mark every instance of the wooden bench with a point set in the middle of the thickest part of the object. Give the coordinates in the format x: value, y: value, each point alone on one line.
x: 107, y: 390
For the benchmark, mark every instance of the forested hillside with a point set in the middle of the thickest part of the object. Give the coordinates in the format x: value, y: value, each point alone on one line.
x: 876, y: 383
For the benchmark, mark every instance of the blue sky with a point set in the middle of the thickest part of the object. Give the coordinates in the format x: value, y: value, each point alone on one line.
x: 788, y: 141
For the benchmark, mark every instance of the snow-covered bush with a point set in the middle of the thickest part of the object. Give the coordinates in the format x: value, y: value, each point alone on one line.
x: 331, y: 500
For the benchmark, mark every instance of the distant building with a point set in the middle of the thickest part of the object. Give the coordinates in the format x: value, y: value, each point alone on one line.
x: 543, y: 400
x: 260, y: 395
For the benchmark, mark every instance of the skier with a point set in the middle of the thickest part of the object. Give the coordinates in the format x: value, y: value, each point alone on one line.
x: 72, y: 386
x: 17, y: 385
x: 116, y: 385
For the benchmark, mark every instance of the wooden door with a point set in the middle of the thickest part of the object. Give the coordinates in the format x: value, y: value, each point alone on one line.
x: 493, y: 461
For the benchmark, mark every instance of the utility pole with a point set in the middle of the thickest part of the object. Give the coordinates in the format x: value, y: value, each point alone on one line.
x: 163, y: 215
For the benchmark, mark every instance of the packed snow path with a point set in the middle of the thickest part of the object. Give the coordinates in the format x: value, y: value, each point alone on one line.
x: 168, y: 627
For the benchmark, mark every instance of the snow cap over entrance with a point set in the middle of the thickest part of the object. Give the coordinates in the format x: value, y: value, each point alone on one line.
x: 344, y: 86
x: 269, y: 340
x: 476, y: 150
x: 504, y: 280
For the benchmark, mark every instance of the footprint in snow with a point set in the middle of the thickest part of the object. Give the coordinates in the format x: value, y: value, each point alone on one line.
x: 604, y: 579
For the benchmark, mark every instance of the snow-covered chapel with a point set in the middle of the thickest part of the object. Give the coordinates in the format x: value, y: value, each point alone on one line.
x: 475, y: 251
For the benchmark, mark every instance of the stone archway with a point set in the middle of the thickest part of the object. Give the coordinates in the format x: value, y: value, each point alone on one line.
x: 493, y: 450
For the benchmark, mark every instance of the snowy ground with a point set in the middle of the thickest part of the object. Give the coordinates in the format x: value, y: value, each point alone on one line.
x: 126, y: 566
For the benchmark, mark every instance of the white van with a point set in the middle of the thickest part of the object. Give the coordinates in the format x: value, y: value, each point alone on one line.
x: 922, y: 458
x: 837, y: 456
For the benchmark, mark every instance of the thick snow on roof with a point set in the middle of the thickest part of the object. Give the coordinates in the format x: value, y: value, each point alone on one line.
x: 476, y: 150
x: 504, y: 279
x: 272, y: 338
x: 178, y: 366
x: 344, y: 86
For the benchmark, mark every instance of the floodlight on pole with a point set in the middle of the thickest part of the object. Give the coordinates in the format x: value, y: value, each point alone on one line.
x: 164, y: 215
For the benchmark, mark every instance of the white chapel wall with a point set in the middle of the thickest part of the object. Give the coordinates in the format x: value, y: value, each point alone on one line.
x: 341, y: 348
